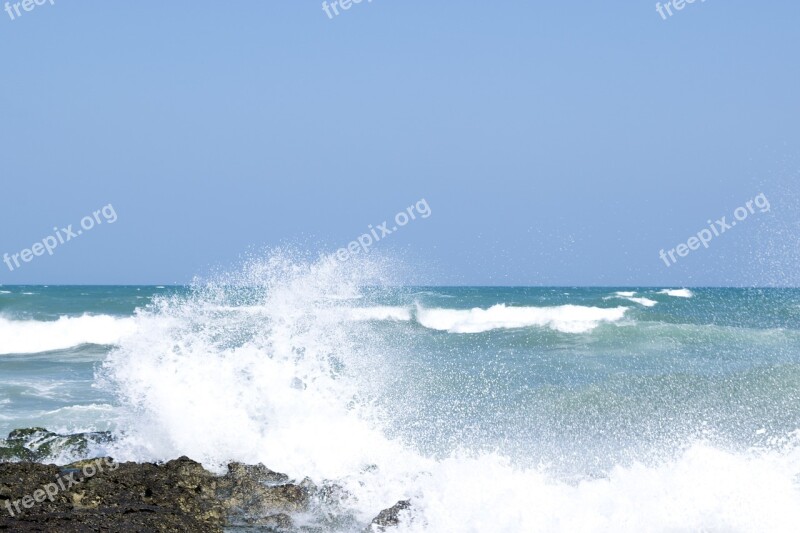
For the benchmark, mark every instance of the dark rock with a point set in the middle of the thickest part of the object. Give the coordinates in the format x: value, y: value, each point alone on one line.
x: 38, y: 444
x: 101, y: 495
x: 255, y: 495
x: 258, y: 472
x: 390, y: 517
x: 180, y: 495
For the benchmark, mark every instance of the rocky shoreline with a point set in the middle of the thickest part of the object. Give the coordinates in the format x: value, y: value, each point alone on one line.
x: 180, y: 495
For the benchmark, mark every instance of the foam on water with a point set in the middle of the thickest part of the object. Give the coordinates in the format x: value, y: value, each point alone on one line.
x: 647, y: 302
x: 565, y: 318
x: 32, y: 336
x: 705, y: 489
x: 678, y: 293
x: 293, y: 386
x: 631, y: 297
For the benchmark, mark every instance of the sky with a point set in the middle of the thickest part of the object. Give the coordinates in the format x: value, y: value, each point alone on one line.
x: 555, y: 143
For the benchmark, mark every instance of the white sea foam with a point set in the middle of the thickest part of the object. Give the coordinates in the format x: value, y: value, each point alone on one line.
x: 705, y: 489
x: 647, y: 302
x: 631, y: 297
x: 91, y: 408
x: 565, y: 318
x: 33, y: 336
x: 678, y: 293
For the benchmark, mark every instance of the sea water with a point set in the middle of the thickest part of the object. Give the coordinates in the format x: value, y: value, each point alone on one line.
x: 491, y: 409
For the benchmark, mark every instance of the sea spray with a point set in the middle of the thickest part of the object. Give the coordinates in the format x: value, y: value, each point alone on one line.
x: 288, y: 386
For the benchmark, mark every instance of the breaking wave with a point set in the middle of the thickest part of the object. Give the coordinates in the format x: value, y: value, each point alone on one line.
x: 565, y: 318
x: 32, y: 336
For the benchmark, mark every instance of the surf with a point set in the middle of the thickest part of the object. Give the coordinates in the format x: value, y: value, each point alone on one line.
x: 565, y: 318
x: 35, y: 336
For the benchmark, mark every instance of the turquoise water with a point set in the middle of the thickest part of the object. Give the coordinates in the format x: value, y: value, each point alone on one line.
x: 553, y: 388
x: 52, y: 386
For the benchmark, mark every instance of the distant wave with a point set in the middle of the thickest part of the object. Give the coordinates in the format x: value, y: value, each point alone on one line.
x: 678, y: 293
x: 565, y: 318
x: 32, y: 336
x: 631, y: 297
x: 647, y: 302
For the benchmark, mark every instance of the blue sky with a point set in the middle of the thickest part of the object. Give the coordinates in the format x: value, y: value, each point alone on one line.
x: 557, y: 143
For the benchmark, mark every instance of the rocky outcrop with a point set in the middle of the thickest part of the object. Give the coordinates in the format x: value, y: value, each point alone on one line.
x: 180, y: 495
x: 100, y: 495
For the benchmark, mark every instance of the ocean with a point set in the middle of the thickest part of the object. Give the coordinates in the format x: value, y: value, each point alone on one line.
x: 503, y: 409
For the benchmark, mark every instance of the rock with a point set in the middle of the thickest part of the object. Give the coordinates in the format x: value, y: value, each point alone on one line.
x: 257, y: 496
x: 389, y: 517
x: 102, y: 495
x: 256, y: 472
x: 180, y: 495
x: 38, y: 444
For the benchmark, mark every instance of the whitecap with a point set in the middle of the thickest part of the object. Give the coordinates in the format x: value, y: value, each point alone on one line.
x: 647, y: 302
x: 565, y: 318
x: 678, y: 293
x: 34, y: 336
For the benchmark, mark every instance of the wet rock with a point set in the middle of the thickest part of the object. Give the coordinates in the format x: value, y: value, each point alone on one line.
x: 255, y: 472
x: 389, y: 517
x: 180, y: 495
x: 38, y: 444
x: 101, y: 495
x: 257, y: 496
